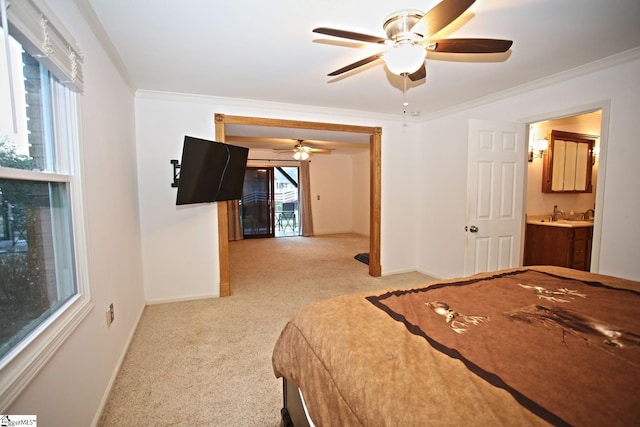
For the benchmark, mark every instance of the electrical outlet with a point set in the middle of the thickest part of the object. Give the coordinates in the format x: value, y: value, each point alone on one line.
x: 110, y: 315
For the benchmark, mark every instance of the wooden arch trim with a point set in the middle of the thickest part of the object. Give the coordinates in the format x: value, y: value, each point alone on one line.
x: 375, y: 171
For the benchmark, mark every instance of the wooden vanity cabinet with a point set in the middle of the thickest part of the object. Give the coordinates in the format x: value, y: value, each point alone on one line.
x: 560, y: 246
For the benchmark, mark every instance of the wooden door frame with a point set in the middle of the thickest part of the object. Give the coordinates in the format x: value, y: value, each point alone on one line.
x: 375, y: 171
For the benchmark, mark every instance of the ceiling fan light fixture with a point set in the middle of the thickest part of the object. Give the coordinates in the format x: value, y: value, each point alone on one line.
x: 404, y: 58
x: 300, y: 155
x: 301, y: 152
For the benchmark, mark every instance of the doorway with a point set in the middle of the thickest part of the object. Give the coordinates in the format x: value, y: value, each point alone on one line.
x: 589, y: 123
x: 591, y: 120
x: 286, y: 201
x: 374, y: 135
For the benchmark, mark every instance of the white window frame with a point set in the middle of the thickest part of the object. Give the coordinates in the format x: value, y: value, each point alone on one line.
x: 22, y: 363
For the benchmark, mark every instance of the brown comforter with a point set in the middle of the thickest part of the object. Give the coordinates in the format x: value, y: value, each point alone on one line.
x: 534, y: 346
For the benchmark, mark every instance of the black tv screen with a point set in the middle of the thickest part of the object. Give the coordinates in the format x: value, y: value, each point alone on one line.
x: 210, y: 171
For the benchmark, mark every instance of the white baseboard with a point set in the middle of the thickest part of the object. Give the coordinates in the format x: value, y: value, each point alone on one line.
x: 182, y: 299
x: 114, y: 375
x: 435, y: 276
x: 398, y: 271
x: 411, y: 270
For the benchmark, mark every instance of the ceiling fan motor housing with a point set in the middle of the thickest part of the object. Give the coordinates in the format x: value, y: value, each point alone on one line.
x: 302, y: 148
x: 398, y: 26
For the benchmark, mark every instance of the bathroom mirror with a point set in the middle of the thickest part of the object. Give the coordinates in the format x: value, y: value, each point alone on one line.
x: 568, y: 163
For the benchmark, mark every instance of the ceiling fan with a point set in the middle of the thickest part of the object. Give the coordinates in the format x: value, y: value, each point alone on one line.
x: 409, y: 39
x: 302, y: 151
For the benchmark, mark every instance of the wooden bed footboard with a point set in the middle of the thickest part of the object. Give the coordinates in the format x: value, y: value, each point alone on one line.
x: 292, y: 412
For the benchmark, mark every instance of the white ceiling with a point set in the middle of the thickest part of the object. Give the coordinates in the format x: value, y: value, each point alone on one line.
x: 266, y: 50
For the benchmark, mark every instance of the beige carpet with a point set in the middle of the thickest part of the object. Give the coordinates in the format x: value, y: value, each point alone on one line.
x: 208, y: 362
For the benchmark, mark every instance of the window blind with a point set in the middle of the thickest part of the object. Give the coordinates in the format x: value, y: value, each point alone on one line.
x: 35, y: 26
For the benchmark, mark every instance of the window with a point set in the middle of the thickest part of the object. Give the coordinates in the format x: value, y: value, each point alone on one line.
x: 43, y: 286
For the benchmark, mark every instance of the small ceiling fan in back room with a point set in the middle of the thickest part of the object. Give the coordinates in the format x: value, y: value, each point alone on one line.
x: 302, y: 151
x: 409, y: 38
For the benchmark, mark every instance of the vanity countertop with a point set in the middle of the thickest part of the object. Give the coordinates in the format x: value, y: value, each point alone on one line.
x: 568, y: 223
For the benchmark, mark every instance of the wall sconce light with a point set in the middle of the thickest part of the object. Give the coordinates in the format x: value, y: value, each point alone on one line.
x: 537, y: 148
x: 595, y: 154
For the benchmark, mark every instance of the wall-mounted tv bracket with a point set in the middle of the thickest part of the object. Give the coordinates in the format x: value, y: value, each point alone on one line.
x: 176, y: 173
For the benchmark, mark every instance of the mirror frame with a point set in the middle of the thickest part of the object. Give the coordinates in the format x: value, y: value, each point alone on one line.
x: 547, y: 167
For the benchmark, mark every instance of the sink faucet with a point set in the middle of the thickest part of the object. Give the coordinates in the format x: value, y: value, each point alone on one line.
x: 585, y: 215
x: 556, y: 212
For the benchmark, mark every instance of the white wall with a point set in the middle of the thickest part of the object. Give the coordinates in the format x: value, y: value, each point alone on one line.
x: 331, y: 194
x: 400, y: 198
x: 180, y: 257
x: 443, y: 156
x: 70, y: 389
x: 442, y: 183
x: 342, y: 182
x: 180, y: 245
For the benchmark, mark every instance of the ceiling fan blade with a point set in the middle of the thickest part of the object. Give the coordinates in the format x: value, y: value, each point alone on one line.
x: 418, y: 75
x: 440, y: 16
x: 472, y: 45
x: 322, y: 150
x: 349, y: 35
x: 356, y: 64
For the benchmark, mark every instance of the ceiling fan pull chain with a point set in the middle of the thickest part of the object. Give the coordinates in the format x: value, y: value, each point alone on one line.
x: 404, y: 93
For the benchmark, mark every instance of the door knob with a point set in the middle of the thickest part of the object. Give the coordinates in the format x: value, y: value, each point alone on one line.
x: 472, y: 229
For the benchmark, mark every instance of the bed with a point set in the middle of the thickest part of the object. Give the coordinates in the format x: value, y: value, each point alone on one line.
x: 527, y: 346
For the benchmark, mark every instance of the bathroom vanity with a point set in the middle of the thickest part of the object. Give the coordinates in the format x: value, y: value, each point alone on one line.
x: 564, y: 243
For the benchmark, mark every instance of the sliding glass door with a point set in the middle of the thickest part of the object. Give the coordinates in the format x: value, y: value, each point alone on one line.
x: 257, y: 203
x: 287, y: 214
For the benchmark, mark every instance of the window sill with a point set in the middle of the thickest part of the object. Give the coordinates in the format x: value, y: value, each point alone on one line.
x: 24, y: 362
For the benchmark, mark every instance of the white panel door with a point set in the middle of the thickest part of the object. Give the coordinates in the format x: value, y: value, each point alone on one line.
x: 495, y: 192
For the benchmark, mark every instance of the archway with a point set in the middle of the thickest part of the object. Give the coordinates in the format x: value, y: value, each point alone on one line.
x: 375, y: 139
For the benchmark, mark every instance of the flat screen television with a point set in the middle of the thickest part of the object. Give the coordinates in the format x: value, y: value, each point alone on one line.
x: 210, y: 171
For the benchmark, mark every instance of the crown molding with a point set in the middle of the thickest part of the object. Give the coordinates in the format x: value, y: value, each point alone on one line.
x: 600, y: 64
x: 98, y: 30
x: 604, y: 63
x: 269, y: 105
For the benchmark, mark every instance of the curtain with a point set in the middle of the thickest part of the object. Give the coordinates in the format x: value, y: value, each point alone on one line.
x: 235, y: 227
x: 306, y: 227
